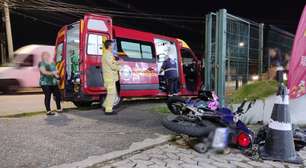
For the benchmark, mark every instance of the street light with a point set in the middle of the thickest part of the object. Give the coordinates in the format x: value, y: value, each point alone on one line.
x: 255, y: 77
x: 241, y: 44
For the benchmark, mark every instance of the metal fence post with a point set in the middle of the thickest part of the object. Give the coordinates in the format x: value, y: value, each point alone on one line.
x: 248, y: 55
x: 261, y: 49
x: 207, y: 58
x: 221, y: 54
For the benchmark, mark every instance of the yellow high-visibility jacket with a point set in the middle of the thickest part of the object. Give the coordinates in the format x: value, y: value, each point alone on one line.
x: 110, y: 67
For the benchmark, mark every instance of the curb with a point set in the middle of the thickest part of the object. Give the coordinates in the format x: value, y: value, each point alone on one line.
x: 135, y: 147
x: 20, y: 115
x: 34, y: 113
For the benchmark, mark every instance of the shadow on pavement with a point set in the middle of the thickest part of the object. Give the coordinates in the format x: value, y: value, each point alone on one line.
x: 58, y: 120
x: 130, y: 114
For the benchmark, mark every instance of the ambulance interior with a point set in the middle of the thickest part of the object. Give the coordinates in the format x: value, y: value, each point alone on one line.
x: 189, y: 68
x: 72, y: 50
x: 164, y: 49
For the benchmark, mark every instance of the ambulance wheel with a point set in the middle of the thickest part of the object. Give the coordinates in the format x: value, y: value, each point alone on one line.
x: 82, y: 104
x: 101, y: 100
x: 118, y: 101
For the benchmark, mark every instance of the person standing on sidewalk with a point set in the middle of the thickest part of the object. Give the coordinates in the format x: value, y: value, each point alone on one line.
x: 169, y: 66
x: 48, y: 82
x: 110, y: 69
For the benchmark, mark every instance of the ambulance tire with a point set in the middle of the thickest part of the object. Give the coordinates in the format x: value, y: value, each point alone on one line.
x: 181, y: 125
x: 81, y: 104
x: 119, y: 99
x: 101, y: 100
x: 118, y: 102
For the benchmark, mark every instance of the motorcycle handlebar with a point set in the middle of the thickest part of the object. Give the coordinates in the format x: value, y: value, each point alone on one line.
x: 240, y: 108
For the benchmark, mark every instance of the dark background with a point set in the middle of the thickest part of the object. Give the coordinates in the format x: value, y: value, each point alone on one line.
x: 284, y: 14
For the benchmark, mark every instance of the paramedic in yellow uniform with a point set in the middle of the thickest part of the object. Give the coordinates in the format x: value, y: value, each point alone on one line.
x: 110, y: 68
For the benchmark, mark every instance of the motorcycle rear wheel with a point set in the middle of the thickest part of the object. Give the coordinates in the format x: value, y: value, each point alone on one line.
x: 181, y: 125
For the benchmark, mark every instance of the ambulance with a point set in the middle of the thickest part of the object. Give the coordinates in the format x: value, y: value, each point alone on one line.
x: 78, y: 52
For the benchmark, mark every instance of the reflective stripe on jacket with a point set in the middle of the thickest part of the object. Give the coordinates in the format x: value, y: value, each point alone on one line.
x: 170, y: 68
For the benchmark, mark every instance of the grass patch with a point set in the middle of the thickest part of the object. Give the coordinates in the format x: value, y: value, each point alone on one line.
x: 163, y: 109
x: 257, y: 90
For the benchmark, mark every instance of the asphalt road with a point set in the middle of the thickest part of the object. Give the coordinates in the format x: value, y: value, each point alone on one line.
x: 43, y: 141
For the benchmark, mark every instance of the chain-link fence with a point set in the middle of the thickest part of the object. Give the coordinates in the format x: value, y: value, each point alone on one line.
x: 244, y: 47
x: 279, y: 40
x: 237, y: 50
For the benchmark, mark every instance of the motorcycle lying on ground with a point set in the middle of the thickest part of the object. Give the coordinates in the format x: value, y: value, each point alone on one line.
x: 201, y: 117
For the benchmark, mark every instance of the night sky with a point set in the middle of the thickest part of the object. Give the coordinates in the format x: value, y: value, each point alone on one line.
x: 284, y: 14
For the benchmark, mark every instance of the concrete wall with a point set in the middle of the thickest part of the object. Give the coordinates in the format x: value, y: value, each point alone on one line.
x: 261, y: 111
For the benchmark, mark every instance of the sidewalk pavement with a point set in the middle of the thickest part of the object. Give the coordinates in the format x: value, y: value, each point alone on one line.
x: 20, y: 104
x: 172, y: 155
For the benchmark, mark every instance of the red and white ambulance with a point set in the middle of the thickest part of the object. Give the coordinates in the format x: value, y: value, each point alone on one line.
x: 141, y: 55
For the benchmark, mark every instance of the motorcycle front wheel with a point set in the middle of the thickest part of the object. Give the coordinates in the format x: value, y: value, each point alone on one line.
x: 182, y: 125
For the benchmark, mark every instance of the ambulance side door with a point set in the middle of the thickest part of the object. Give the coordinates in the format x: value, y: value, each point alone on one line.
x: 139, y: 69
x: 96, y: 30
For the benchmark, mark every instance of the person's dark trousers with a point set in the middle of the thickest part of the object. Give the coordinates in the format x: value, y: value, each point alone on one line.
x: 48, y: 90
x: 173, y: 85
